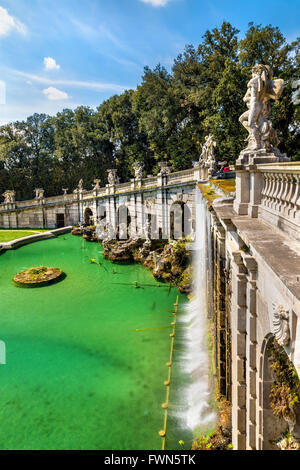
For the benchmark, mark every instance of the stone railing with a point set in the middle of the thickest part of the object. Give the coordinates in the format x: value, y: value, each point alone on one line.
x: 178, y: 177
x: 183, y: 176
x: 280, y: 196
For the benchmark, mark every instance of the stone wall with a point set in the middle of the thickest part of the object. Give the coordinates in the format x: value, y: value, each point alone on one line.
x: 258, y: 259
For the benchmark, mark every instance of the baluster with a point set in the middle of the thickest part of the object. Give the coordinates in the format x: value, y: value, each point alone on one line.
x: 295, y: 197
x: 289, y: 197
x: 265, y: 189
x: 281, y: 189
x: 272, y: 190
x: 276, y: 191
x: 283, y: 201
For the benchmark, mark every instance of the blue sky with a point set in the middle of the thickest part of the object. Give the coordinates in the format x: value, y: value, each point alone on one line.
x: 57, y: 54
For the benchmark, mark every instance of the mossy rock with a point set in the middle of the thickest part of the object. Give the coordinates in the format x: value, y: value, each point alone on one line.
x: 38, y: 277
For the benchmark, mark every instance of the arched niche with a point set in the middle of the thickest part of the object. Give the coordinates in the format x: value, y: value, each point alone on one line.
x: 180, y: 220
x: 88, y: 216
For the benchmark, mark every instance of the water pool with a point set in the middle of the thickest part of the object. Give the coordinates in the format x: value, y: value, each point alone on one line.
x: 78, y: 374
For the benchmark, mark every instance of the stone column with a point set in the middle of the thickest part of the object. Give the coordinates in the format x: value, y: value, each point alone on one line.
x: 159, y: 204
x: 256, y: 188
x: 133, y: 218
x: 238, y: 328
x: 242, y: 197
x: 139, y: 214
x: 251, y: 353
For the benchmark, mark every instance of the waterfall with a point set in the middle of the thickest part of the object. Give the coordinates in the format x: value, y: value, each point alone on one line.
x: 199, y: 413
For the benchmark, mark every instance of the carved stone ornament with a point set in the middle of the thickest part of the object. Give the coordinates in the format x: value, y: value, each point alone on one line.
x: 9, y: 197
x: 112, y: 176
x: 281, y: 326
x: 138, y: 170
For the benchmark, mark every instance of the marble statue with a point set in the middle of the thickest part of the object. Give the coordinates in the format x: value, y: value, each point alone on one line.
x: 39, y: 193
x: 210, y: 145
x: 261, y: 89
x: 9, y: 197
x: 208, y: 153
x: 112, y: 176
x: 207, y: 158
x: 281, y: 326
x: 138, y: 170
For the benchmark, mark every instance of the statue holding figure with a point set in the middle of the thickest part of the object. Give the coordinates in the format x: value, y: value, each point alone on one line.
x: 261, y: 89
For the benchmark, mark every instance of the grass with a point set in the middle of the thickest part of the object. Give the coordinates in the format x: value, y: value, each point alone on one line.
x: 208, y: 192
x: 228, y: 185
x: 9, y: 235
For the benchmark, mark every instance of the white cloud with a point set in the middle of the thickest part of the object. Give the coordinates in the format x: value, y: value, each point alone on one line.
x: 156, y: 3
x: 50, y: 64
x: 99, y: 86
x: 54, y: 94
x: 8, y: 23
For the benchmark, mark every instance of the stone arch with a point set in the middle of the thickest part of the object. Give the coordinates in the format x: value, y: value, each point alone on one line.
x: 123, y: 220
x: 180, y: 220
x: 88, y: 216
x: 151, y: 219
x: 271, y: 427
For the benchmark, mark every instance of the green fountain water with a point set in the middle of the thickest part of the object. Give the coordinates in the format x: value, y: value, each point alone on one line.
x: 78, y: 374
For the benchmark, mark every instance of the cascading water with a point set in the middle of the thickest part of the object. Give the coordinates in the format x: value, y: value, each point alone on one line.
x: 196, y: 412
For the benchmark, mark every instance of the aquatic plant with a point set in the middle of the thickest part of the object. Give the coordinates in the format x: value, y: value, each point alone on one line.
x: 285, y: 390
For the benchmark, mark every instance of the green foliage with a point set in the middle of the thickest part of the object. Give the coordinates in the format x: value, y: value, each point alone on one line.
x: 165, y: 119
x: 285, y: 389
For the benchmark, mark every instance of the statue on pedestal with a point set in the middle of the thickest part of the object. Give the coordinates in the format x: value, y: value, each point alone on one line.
x: 261, y: 88
x: 138, y: 170
x: 9, y: 197
x: 112, y: 176
x: 207, y: 157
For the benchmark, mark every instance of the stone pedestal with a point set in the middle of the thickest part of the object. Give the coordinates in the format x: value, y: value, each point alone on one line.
x: 135, y: 183
x: 110, y: 189
x: 249, y: 181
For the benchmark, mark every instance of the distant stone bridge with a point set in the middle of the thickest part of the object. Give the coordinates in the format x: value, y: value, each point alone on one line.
x: 156, y: 200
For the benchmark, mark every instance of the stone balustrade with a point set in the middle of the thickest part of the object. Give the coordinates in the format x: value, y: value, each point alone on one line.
x: 184, y: 176
x: 280, y: 196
